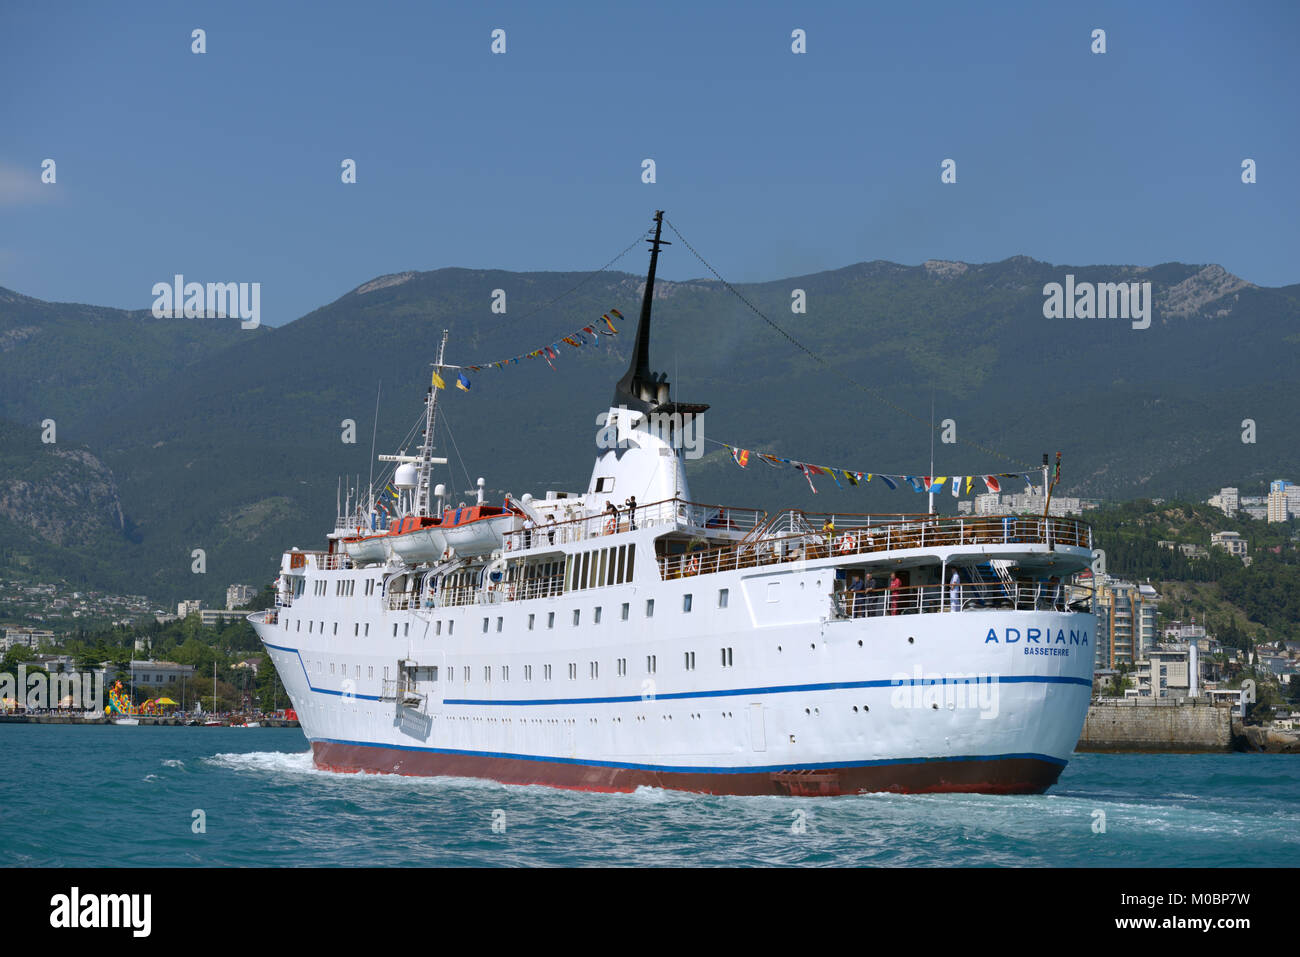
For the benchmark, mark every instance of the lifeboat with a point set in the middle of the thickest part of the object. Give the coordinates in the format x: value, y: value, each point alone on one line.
x: 477, y: 529
x: 417, y: 538
x: 368, y: 549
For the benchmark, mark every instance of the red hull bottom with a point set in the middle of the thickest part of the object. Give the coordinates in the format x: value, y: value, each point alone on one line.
x: 1011, y: 774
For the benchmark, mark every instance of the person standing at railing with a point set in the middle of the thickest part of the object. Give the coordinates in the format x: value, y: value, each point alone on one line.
x: 857, y: 597
x: 550, y: 529
x: 895, y: 593
x: 630, y: 505
x: 954, y: 592
x: 528, y: 532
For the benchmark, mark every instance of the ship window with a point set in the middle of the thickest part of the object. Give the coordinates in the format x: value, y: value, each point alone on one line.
x: 528, y: 672
x: 649, y: 607
x: 356, y: 629
x: 627, y: 608
x: 487, y: 673
x: 723, y: 595
x: 336, y: 628
x: 451, y: 626
x: 605, y: 483
x: 651, y: 662
x: 726, y: 658
x: 531, y: 620
x: 394, y: 629
x: 631, y: 554
x: 622, y: 667
x: 550, y: 619
x: 406, y: 629
x: 686, y: 603
x: 595, y: 615
x: 311, y: 623
x: 367, y: 632
x: 299, y: 628
x: 690, y: 661
x: 585, y: 570
x: 569, y: 565
x: 573, y: 671
x: 465, y: 670
x: 594, y: 669
x: 577, y: 616
x: 505, y: 672
x: 437, y: 627
x: 485, y: 626
x: 601, y: 578
x: 434, y: 671
x: 546, y: 672
x: 499, y: 621
x: 622, y: 560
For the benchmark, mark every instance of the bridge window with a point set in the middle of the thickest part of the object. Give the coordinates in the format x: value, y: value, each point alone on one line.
x: 499, y: 622
x: 627, y: 608
x: 531, y: 620
x: 577, y: 615
x: 485, y: 626
x: 550, y: 619
x: 649, y: 607
x: 595, y: 615
x: 621, y: 564
x: 686, y: 603
x: 723, y: 595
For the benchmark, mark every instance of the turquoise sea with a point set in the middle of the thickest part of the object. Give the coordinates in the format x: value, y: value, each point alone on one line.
x: 108, y: 796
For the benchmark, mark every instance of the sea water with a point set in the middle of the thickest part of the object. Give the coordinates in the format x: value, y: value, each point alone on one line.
x: 113, y: 796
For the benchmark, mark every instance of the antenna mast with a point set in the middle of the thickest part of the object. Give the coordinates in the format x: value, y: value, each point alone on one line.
x: 426, y: 450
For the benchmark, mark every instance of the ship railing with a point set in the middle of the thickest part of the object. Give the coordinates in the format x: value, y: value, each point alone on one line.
x: 673, y: 513
x: 322, y: 560
x: 404, y: 601
x: 792, y: 538
x: 1029, y: 595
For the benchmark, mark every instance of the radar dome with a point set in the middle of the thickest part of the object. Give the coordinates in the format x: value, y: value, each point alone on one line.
x: 405, y: 476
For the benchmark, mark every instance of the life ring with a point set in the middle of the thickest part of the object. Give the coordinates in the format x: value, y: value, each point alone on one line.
x: 693, y: 565
x: 847, y: 543
x: 610, y: 527
x: 510, y: 543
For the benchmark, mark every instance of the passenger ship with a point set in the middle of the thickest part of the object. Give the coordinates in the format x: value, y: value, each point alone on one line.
x: 672, y: 644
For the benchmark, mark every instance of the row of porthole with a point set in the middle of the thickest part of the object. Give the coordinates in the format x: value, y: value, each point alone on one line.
x: 911, y: 640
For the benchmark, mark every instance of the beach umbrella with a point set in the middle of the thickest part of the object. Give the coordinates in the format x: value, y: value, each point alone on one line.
x: 164, y: 701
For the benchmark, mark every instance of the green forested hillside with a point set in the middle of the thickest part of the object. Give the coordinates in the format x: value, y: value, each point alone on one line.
x: 229, y: 440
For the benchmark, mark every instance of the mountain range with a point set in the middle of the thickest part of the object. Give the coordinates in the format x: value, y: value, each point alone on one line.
x: 172, y: 435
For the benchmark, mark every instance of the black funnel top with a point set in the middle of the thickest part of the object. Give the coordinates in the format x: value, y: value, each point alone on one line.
x: 639, y: 389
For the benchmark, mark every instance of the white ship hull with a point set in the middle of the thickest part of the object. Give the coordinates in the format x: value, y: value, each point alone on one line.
x: 806, y: 705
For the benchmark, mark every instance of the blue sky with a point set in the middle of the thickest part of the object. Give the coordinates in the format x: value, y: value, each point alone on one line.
x: 226, y: 166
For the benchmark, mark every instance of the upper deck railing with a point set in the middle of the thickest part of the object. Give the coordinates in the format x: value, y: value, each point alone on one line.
x: 797, y: 536
x: 674, y: 512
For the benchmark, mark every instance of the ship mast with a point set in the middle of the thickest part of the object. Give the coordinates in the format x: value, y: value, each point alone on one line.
x: 426, y: 450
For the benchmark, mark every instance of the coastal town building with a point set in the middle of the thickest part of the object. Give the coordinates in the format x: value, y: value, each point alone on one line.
x: 186, y: 608
x: 1231, y: 542
x: 237, y: 596
x: 1126, y: 621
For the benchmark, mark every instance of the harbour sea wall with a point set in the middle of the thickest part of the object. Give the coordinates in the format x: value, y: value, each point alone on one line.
x: 1154, y: 725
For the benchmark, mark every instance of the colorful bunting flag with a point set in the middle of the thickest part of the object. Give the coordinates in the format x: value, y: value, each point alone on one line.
x: 437, y: 381
x: 741, y: 456
x: 462, y: 382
